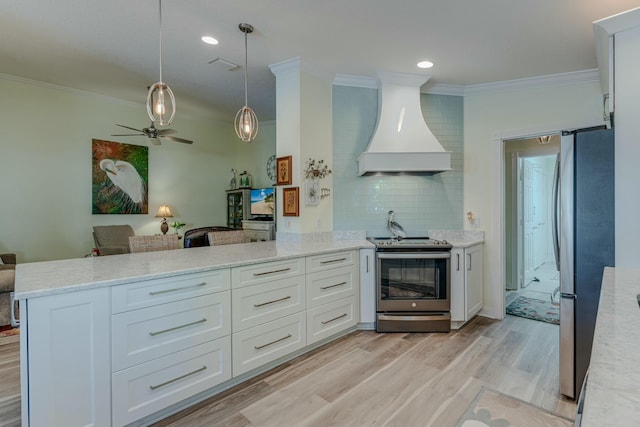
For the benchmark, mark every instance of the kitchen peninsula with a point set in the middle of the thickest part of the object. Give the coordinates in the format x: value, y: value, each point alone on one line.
x: 612, y: 397
x: 127, y: 339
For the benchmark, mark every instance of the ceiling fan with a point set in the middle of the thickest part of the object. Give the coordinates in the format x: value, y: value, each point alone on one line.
x: 154, y: 134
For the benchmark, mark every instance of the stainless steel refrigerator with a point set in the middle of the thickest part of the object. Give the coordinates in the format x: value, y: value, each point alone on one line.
x: 584, y: 245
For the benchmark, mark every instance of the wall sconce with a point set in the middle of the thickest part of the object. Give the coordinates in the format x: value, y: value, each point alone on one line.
x: 164, y: 212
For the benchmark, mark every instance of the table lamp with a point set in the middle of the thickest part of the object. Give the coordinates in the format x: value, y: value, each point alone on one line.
x: 164, y: 212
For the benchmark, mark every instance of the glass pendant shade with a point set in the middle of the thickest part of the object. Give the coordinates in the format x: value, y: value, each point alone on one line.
x: 246, y: 121
x: 161, y: 104
x: 246, y: 124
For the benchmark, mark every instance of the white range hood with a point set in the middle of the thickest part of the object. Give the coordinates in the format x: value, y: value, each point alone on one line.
x: 402, y: 142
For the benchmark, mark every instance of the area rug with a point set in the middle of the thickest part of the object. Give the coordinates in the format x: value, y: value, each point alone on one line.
x: 491, y: 408
x: 535, y: 309
x: 7, y: 331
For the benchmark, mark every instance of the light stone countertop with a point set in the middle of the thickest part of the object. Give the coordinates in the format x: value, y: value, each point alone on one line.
x: 54, y: 277
x: 458, y: 238
x: 613, y: 386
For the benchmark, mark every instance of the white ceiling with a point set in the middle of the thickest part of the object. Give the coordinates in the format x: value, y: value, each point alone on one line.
x: 111, y: 47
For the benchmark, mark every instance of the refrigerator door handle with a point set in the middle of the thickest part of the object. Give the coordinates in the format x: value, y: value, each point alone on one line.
x: 567, y: 349
x: 554, y: 223
x: 568, y: 296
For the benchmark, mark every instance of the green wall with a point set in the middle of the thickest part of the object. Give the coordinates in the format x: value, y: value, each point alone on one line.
x: 45, y: 168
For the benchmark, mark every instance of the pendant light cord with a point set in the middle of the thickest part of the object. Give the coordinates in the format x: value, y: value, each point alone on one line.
x: 246, y: 102
x: 160, y: 14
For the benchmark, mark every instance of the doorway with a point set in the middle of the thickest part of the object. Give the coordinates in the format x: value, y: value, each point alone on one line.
x: 532, y: 276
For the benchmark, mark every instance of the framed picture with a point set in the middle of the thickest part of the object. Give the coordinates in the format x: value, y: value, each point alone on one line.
x: 119, y: 178
x: 283, y: 171
x: 290, y: 201
x: 312, y: 192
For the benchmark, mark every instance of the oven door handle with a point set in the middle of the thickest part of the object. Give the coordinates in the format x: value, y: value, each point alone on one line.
x: 414, y: 255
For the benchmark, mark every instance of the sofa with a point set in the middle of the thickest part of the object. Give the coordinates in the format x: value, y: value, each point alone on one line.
x: 7, y: 283
x: 197, y: 237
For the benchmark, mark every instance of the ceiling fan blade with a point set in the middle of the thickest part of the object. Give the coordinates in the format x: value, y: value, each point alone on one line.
x: 167, y: 131
x: 127, y: 134
x: 155, y: 141
x: 127, y: 127
x: 176, y: 139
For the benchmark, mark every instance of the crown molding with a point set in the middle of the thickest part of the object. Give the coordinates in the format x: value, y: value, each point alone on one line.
x: 575, y: 77
x: 356, y: 81
x: 299, y: 64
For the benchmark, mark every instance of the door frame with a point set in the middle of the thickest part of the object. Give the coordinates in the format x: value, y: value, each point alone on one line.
x: 516, y: 233
x: 497, y: 263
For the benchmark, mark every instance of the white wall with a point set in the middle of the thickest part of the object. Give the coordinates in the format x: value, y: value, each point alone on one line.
x: 45, y: 168
x: 490, y: 117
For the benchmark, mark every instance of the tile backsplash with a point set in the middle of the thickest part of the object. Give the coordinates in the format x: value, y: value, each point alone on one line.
x: 420, y: 202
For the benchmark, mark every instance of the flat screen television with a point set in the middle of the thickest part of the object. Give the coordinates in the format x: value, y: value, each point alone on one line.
x: 263, y: 203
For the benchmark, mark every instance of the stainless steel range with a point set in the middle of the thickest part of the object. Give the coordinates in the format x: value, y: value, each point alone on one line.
x: 413, y: 284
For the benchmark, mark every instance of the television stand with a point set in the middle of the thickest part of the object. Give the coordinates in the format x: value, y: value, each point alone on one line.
x: 257, y: 230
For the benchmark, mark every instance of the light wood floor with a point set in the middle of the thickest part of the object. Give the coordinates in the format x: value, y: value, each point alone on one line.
x: 10, y: 381
x: 372, y: 379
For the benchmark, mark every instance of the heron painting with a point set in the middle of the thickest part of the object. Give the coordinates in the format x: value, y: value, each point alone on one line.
x: 119, y: 178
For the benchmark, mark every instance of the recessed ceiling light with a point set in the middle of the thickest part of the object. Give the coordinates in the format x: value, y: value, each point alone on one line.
x: 425, y: 64
x: 209, y: 40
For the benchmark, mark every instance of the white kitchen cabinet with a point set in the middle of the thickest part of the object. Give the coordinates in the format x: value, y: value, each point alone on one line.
x: 152, y: 386
x: 259, y: 231
x: 69, y: 367
x: 257, y: 304
x: 256, y: 346
x: 367, y: 289
x: 331, y: 318
x: 170, y: 341
x: 331, y: 285
x: 466, y: 283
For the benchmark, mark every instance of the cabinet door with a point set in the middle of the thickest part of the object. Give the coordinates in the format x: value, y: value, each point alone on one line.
x: 69, y: 359
x: 473, y: 271
x: 367, y: 287
x: 458, y: 291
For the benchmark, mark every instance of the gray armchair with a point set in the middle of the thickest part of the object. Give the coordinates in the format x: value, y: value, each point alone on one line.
x: 112, y: 239
x: 7, y: 283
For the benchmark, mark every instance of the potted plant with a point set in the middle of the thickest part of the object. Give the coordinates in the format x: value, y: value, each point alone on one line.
x: 177, y: 225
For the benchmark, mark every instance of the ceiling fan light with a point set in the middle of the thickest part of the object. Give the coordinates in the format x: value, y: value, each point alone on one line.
x: 161, y: 104
x: 246, y: 124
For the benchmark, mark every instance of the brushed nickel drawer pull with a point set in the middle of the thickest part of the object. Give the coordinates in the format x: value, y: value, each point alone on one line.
x: 258, y: 347
x: 272, y: 272
x: 333, y: 260
x: 334, y: 319
x: 333, y: 286
x: 154, y: 387
x: 153, y: 334
x: 271, y: 302
x: 177, y: 289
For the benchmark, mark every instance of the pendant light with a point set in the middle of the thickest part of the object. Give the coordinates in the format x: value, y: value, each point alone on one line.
x: 246, y: 122
x: 161, y: 104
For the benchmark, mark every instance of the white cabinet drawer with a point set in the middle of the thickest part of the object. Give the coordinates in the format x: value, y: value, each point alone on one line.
x: 330, y: 319
x: 257, y: 235
x: 256, y: 346
x: 267, y: 271
x: 257, y: 304
x: 142, y: 335
x: 158, y: 291
x: 330, y: 285
x: 144, y: 389
x: 330, y: 261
